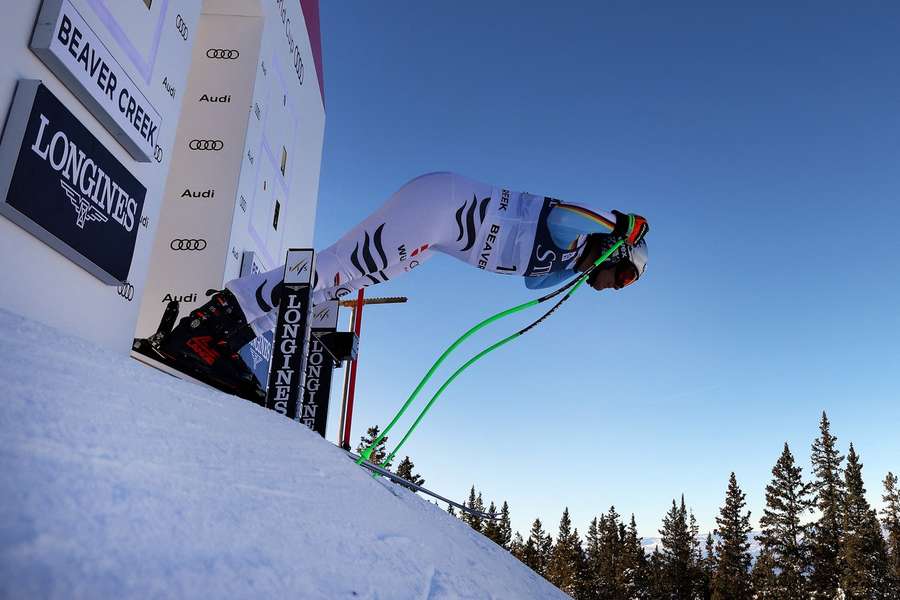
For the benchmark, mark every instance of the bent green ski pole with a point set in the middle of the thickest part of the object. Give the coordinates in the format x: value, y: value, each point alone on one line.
x: 493, y: 347
x: 574, y: 284
x: 367, y: 453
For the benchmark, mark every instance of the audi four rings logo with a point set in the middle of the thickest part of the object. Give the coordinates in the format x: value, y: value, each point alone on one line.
x: 222, y: 53
x: 126, y: 290
x: 181, y: 26
x: 190, y: 245
x: 214, y: 145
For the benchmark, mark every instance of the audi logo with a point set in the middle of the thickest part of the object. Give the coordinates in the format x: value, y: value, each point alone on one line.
x: 222, y: 53
x: 191, y: 245
x: 126, y: 290
x: 214, y: 145
x: 181, y: 26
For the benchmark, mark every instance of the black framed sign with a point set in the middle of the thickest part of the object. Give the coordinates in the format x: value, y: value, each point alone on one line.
x: 59, y: 183
x: 285, y: 390
x: 319, y: 368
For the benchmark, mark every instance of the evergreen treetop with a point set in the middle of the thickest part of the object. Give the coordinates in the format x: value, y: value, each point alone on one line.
x: 566, y: 558
x: 826, y: 533
x: 537, y: 548
x: 863, y: 558
x: 405, y: 470
x: 783, y: 536
x: 379, y: 453
x: 678, y: 555
x: 733, y: 558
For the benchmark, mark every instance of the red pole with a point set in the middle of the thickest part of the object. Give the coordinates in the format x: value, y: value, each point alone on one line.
x: 340, y: 432
x: 356, y: 329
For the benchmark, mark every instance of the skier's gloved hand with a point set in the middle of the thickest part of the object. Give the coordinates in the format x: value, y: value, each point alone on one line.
x: 595, y: 245
x: 630, y: 227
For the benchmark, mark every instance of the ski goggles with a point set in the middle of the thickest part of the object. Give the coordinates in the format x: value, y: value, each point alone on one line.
x: 626, y: 273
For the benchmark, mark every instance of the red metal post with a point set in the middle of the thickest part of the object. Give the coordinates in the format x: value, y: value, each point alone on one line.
x: 340, y: 433
x: 353, y: 366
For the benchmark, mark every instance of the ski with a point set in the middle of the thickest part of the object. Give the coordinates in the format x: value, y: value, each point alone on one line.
x: 418, y: 488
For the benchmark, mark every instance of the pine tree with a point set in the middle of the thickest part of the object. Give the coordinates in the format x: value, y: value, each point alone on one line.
x: 475, y: 503
x: 517, y: 547
x: 763, y: 577
x: 783, y: 535
x: 478, y: 522
x: 825, y: 535
x: 379, y: 453
x: 579, y: 586
x: 732, y: 560
x: 863, y: 557
x: 593, y: 562
x: 707, y: 570
x: 657, y: 578
x: 604, y: 557
x: 611, y: 543
x: 891, y: 520
x: 536, y: 553
x: 450, y: 510
x: 634, y: 579
x: 565, y: 564
x: 405, y: 470
x: 505, y: 526
x: 678, y: 553
x: 492, y: 526
x: 701, y: 584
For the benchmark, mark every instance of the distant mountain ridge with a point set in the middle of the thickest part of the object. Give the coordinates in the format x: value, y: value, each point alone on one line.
x: 649, y: 544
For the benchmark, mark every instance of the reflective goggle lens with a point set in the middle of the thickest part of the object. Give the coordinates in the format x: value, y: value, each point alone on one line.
x: 626, y: 273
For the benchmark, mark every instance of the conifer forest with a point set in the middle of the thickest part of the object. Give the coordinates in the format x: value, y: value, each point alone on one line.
x: 818, y: 537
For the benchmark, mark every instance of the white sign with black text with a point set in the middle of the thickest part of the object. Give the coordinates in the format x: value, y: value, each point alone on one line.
x: 65, y: 42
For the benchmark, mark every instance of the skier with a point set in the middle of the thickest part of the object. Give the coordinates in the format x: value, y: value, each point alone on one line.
x: 541, y: 238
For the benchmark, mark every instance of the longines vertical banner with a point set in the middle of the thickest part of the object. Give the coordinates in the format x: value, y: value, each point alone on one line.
x: 59, y: 183
x: 291, y: 334
x: 319, y: 366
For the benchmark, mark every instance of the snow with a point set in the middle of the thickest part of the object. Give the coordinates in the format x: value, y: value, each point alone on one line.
x: 118, y: 481
x: 649, y: 544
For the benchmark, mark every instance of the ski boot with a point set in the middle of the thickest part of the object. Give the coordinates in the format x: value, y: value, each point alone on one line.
x: 205, y: 345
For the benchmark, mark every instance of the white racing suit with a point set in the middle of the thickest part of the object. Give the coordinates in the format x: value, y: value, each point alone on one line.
x: 491, y: 228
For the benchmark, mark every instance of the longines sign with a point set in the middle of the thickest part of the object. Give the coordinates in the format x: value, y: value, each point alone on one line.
x: 60, y: 184
x: 319, y: 367
x: 71, y: 49
x: 285, y: 389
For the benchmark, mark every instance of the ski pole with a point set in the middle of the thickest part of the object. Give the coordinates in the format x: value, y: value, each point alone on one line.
x: 493, y: 347
x: 367, y: 453
x: 574, y: 284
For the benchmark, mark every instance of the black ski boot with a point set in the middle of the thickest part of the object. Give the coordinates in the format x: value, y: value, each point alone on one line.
x: 205, y: 345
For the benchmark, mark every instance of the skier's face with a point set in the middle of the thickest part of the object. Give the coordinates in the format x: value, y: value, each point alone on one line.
x: 605, y: 278
x: 615, y: 276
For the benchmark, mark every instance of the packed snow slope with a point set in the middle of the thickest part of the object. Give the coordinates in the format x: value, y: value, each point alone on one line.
x: 118, y: 481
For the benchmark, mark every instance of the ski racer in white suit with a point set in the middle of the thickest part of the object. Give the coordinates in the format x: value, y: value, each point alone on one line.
x: 492, y: 228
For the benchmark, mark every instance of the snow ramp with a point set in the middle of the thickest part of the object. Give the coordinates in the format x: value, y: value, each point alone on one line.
x: 118, y: 481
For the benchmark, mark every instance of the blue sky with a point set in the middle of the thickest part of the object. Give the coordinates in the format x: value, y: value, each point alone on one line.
x: 763, y: 148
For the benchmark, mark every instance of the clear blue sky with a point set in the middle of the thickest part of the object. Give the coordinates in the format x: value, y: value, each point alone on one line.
x: 761, y: 142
